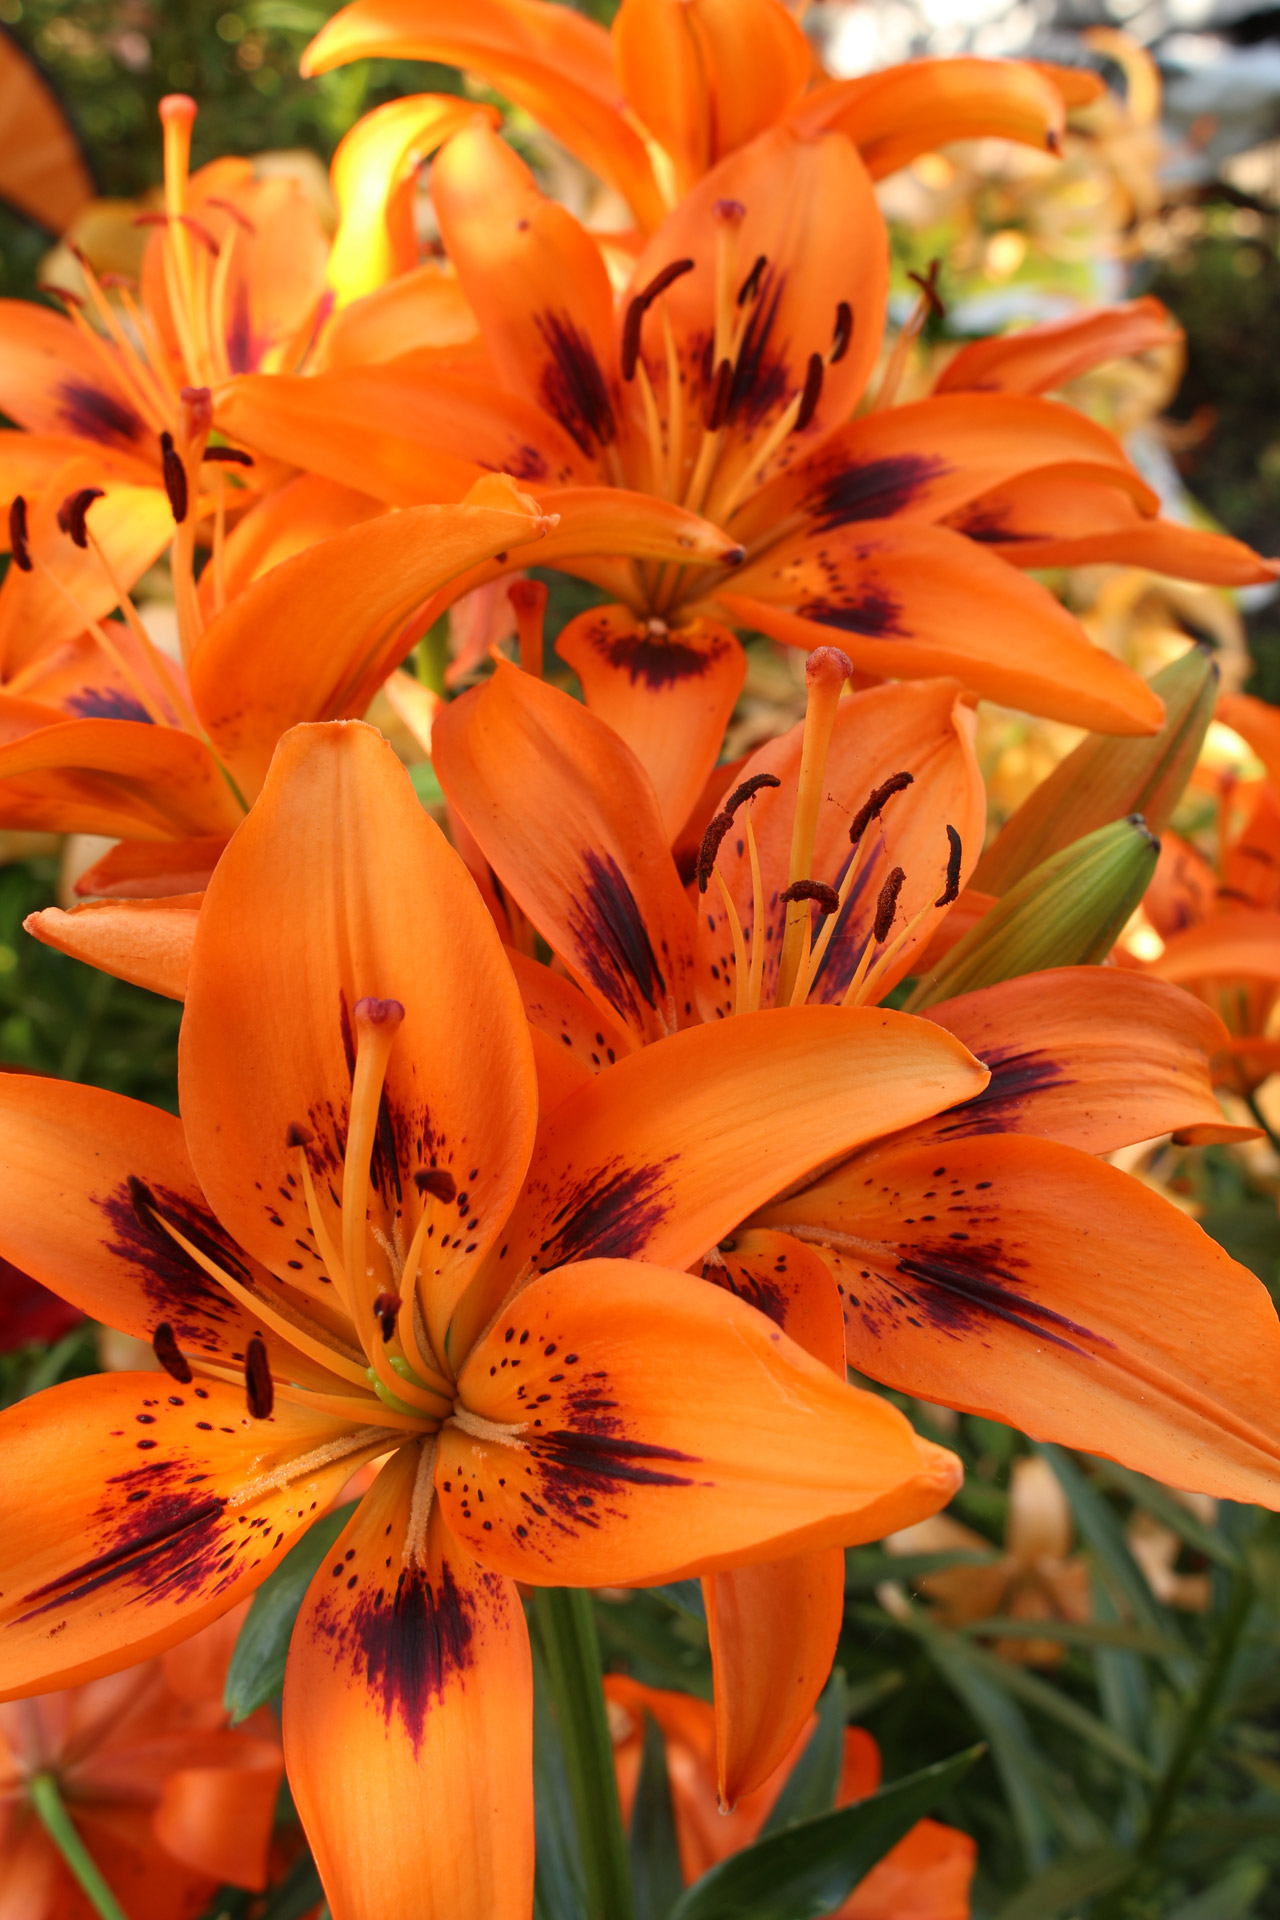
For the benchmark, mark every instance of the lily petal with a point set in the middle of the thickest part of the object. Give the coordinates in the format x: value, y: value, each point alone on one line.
x: 1240, y: 944
x: 1036, y: 359
x: 1038, y: 1286
x: 561, y: 1011
x: 669, y: 696
x: 408, y: 1710
x: 620, y: 1470
x: 296, y: 516
x: 116, y: 777
x: 166, y: 1509
x: 570, y: 824
x: 147, y: 870
x: 920, y: 105
x: 340, y: 888
x: 53, y: 379
x: 145, y: 941
x: 1258, y: 723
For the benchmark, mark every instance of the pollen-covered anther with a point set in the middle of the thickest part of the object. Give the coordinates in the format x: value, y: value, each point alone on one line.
x: 718, y: 397
x: 175, y: 477
x: 639, y: 305
x: 748, y: 789
x: 386, y: 1308
x: 19, y: 543
x: 952, y: 887
x: 229, y: 207
x: 812, y: 392
x: 872, y: 807
x: 71, y: 514
x: 887, y: 904
x: 928, y: 285
x: 716, y: 829
x: 298, y: 1136
x: 824, y: 897
x: 751, y: 285
x: 437, y: 1181
x: 228, y: 456
x: 259, y: 1387
x: 843, y: 333
x: 64, y: 294
x: 165, y: 1347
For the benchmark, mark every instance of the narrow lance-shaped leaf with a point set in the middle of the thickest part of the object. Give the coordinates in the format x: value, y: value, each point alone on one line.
x: 1107, y: 777
x: 1067, y: 912
x: 654, y: 1851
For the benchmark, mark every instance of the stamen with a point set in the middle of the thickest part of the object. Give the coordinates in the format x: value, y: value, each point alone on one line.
x: 873, y: 806
x: 826, y: 672
x: 502, y: 1433
x: 377, y: 1023
x: 167, y: 1352
x: 887, y: 905
x: 370, y: 1440
x: 259, y: 1387
x: 928, y: 303
x: 414, y: 1552
x: 19, y: 541
x: 716, y: 829
x: 230, y: 456
x: 386, y: 1307
x: 100, y: 634
x: 928, y: 285
x: 812, y: 393
x: 201, y: 232
x: 64, y: 294
x: 825, y: 898
x: 741, y: 971
x: 639, y: 305
x: 843, y: 333
x: 159, y: 664
x: 952, y: 888
x: 71, y: 514
x: 437, y: 1181
x: 751, y: 285
x: 749, y: 789
x: 175, y: 478
x: 529, y: 599
x: 717, y: 405
x: 242, y: 220
x: 756, y: 975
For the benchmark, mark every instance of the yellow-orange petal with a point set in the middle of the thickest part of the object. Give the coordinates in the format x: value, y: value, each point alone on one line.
x: 145, y: 941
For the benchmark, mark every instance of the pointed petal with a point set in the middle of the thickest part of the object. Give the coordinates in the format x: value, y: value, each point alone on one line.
x: 1090, y: 1056
x: 339, y: 887
x: 145, y: 941
x: 1258, y: 723
x: 408, y: 1722
x: 29, y: 462
x: 146, y: 870
x: 1035, y: 1285
x: 570, y: 824
x: 294, y: 517
x: 81, y: 1171
x: 912, y: 601
x: 535, y: 280
x: 374, y: 165
x: 55, y: 380
x: 116, y: 777
x: 152, y: 1525
x: 925, y: 1877
x: 335, y: 615
x: 555, y: 64
x: 561, y: 1011
x: 640, y: 1474
x: 1241, y: 944
x: 669, y: 696
x: 219, y: 1819
x: 44, y: 173
x: 913, y: 108
x: 1038, y: 358
x: 661, y: 1156
x: 924, y: 729
x: 423, y: 312
x: 773, y: 1628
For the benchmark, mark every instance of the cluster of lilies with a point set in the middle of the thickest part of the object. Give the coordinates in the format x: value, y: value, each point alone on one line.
x: 564, y: 1163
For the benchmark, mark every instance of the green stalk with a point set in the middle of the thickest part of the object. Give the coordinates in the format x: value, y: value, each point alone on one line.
x: 1251, y: 1101
x: 566, y: 1631
x: 48, y: 1803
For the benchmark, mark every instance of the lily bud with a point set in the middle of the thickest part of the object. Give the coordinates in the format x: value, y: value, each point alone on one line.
x: 1067, y: 912
x: 1109, y: 776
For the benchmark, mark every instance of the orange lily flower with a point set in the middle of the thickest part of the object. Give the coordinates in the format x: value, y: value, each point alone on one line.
x: 723, y: 377
x: 169, y: 1801
x: 681, y: 84
x: 29, y: 1312
x: 360, y: 1240
x: 924, y: 1877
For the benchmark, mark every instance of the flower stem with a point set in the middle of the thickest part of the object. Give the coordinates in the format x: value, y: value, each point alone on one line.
x: 1251, y: 1101
x: 48, y: 1803
x: 566, y: 1631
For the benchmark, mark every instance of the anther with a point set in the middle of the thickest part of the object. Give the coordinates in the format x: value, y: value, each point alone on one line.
x: 298, y: 1136
x: 887, y: 904
x: 749, y: 789
x: 826, y: 898
x: 718, y: 399
x: 18, y: 539
x: 167, y: 1352
x: 379, y: 1013
x: 640, y: 304
x: 812, y: 392
x: 437, y: 1181
x: 717, y: 827
x: 1053, y: 140
x: 143, y: 1202
x: 230, y: 456
x: 751, y: 285
x: 175, y: 477
x: 843, y: 333
x: 259, y: 1387
x: 71, y: 514
x: 952, y: 888
x: 242, y: 220
x: 201, y: 232
x: 59, y: 293
x: 150, y: 220
x: 871, y: 808
x: 928, y: 285
x: 386, y: 1308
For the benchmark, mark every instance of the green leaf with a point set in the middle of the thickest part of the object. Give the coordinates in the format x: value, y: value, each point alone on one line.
x: 558, y: 1882
x: 810, y: 1788
x: 298, y: 1893
x: 653, y: 1850
x: 1059, y: 1706
x: 1065, y: 1882
x: 256, y: 1673
x: 811, y: 1868
x: 1234, y: 1897
x: 865, y: 1568
x: 1159, y: 1502
x: 423, y: 780
x: 685, y: 1596
x: 1073, y: 1633
x: 1101, y: 1529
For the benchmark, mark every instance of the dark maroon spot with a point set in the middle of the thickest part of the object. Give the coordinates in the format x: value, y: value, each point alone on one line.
x: 242, y: 350
x: 18, y: 534
x: 175, y: 478
x: 106, y: 703
x: 968, y: 1285
x: 873, y: 611
x: 192, y: 1304
x: 657, y: 660
x: 1008, y: 1099
x: 611, y: 1213
x: 761, y: 377
x: 172, y: 1551
x: 259, y: 1388
x: 572, y: 386
x: 612, y: 941
x: 872, y: 489
x: 97, y: 415
x: 811, y: 393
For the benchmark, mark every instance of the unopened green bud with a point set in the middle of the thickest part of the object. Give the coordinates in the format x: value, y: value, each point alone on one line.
x: 1108, y: 777
x: 1066, y: 913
